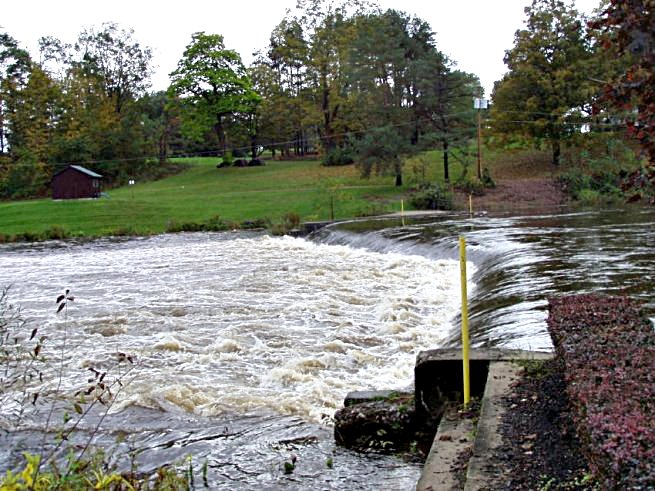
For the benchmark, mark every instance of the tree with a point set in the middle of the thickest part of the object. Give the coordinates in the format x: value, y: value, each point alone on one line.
x: 160, y: 118
x: 213, y: 84
x: 627, y: 29
x: 14, y: 70
x: 548, y: 83
x: 116, y: 58
x: 445, y: 104
x: 382, y: 150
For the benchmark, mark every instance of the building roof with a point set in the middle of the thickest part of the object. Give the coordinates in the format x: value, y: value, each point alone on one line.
x: 83, y: 170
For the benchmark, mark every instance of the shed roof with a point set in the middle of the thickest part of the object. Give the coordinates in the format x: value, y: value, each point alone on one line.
x: 83, y: 170
x: 86, y: 171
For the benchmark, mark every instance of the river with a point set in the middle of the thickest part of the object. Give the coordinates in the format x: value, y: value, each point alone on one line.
x: 244, y: 345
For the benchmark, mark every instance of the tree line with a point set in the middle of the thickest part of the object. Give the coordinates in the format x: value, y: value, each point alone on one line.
x: 351, y: 81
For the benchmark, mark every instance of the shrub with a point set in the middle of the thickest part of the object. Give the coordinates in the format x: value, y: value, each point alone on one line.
x: 603, y: 184
x: 469, y: 186
x: 255, y: 224
x: 217, y: 224
x: 290, y: 221
x: 487, y: 180
x: 228, y: 158
x: 212, y: 224
x: 339, y: 156
x: 22, y: 365
x: 125, y: 231
x: 57, y: 233
x: 28, y: 237
x: 608, y: 349
x: 432, y: 198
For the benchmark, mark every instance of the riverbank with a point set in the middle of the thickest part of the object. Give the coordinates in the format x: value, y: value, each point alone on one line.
x: 581, y: 421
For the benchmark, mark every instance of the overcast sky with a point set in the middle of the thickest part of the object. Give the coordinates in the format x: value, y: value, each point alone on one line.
x: 474, y: 33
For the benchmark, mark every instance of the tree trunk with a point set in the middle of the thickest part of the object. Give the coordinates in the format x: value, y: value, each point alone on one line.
x: 445, y: 162
x: 220, y: 134
x: 556, y: 151
x: 328, y: 138
x: 163, y: 147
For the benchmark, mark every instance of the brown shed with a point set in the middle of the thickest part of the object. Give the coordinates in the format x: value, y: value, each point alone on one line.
x: 75, y: 182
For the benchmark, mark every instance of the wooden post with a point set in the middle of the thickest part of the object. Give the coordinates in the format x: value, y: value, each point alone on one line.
x: 479, y: 152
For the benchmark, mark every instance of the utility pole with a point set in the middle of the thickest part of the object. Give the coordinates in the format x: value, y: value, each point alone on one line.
x: 479, y: 103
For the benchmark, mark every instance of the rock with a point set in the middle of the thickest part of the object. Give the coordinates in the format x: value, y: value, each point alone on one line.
x: 240, y: 163
x: 384, y: 424
x: 255, y: 162
x: 360, y: 396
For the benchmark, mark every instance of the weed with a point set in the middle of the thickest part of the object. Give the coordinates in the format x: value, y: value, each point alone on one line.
x: 84, y: 467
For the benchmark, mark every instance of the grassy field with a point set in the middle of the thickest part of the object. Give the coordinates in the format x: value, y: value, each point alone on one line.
x: 235, y: 194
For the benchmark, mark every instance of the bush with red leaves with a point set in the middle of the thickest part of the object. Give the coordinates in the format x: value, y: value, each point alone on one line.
x: 608, y: 348
x: 626, y: 28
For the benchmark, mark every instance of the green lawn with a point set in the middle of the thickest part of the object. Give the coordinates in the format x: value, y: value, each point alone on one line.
x: 202, y: 191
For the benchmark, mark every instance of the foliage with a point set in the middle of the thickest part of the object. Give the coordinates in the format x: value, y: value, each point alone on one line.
x: 213, y: 224
x: 432, y: 197
x: 339, y: 156
x: 627, y: 29
x: 487, y: 181
x: 113, y: 56
x: 14, y: 67
x: 213, y: 86
x: 21, y: 379
x: 21, y: 358
x: 591, y: 189
x: 607, y: 346
x: 596, y: 168
x: 548, y: 85
x: 77, y: 104
x: 289, y: 222
x: 382, y: 151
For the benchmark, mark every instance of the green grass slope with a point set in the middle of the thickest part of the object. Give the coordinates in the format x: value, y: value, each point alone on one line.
x: 203, y: 191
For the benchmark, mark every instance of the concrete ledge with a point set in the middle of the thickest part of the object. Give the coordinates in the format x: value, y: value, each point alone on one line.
x: 487, y: 354
x: 454, y: 436
x: 438, y: 384
x: 501, y: 376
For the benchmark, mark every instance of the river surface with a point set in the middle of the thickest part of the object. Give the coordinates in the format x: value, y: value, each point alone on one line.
x: 245, y: 345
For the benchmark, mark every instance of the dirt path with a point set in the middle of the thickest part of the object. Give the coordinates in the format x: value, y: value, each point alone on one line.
x: 533, y: 195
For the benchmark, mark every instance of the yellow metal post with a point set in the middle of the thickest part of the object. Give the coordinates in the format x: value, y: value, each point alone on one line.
x: 465, y: 322
x: 470, y: 204
x: 402, y: 212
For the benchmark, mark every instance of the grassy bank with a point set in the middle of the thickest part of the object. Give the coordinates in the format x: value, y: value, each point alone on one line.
x: 304, y: 188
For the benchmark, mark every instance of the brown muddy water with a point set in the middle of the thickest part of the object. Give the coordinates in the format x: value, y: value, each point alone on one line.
x: 245, y: 344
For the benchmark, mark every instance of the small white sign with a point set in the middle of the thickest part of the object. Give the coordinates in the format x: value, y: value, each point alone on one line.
x: 480, y: 103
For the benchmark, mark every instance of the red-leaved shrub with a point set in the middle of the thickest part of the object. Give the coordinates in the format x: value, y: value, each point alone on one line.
x: 608, y: 348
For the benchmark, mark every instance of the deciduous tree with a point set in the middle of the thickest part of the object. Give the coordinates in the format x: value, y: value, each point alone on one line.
x: 548, y: 82
x: 628, y: 30
x: 213, y: 83
x: 15, y: 65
